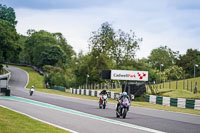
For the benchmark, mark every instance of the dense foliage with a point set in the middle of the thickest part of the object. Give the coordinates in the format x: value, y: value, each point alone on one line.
x: 9, y: 46
x: 108, y: 49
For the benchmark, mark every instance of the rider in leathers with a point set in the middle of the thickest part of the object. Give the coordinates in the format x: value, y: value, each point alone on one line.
x: 124, y: 95
x: 103, y: 92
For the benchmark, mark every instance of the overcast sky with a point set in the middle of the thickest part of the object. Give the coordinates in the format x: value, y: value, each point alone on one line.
x: 175, y: 23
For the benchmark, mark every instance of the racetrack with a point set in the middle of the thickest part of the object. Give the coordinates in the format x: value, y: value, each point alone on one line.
x: 144, y: 120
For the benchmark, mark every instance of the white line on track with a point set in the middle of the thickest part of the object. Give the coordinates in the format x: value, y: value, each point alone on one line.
x: 47, y: 105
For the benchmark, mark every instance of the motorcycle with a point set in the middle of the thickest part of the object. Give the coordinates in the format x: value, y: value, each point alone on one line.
x: 31, y: 91
x: 103, y: 101
x: 123, y: 108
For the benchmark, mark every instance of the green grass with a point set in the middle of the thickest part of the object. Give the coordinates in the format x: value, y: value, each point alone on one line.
x: 139, y: 103
x: 12, y: 122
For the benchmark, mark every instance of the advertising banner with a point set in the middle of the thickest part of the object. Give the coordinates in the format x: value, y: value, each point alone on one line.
x: 129, y: 75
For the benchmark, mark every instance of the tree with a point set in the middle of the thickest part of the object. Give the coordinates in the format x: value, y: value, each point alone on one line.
x: 102, y: 39
x: 67, y: 49
x: 162, y: 55
x: 108, y: 50
x: 21, y: 42
x: 174, y: 73
x: 187, y: 62
x: 119, y: 46
x: 9, y: 48
x: 125, y: 47
x: 8, y: 14
x: 42, y: 48
x: 54, y: 76
x: 51, y: 55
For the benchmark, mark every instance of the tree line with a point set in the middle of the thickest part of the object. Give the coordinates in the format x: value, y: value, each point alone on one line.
x: 108, y: 49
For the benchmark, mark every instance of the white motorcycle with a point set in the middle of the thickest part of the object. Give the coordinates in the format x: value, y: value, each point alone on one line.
x: 103, y: 101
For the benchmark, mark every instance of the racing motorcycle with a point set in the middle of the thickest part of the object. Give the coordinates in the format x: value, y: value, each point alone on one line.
x: 123, y: 108
x: 103, y: 101
x: 31, y: 91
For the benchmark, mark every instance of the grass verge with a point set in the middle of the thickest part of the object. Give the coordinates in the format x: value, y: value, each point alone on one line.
x: 34, y: 78
x: 12, y: 122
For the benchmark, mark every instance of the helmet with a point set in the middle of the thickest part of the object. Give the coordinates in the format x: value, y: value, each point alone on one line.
x: 32, y: 86
x: 124, y: 94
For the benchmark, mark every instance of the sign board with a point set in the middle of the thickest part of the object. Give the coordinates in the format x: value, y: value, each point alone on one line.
x: 3, y: 83
x: 4, y: 80
x: 129, y: 75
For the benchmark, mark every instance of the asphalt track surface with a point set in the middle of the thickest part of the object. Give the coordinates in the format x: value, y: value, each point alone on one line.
x: 164, y: 121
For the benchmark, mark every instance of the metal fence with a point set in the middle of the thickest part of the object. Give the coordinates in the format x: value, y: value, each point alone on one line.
x: 101, y: 86
x: 191, y: 85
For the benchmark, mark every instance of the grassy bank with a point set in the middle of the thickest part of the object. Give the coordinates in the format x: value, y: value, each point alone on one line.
x: 178, y: 89
x: 12, y: 122
x: 36, y: 78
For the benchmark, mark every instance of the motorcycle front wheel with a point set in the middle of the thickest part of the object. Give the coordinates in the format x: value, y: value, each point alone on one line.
x: 124, y: 112
x: 104, y: 105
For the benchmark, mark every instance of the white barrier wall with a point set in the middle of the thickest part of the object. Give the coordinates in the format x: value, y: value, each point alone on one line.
x: 152, y: 99
x: 197, y: 104
x: 92, y: 93
x: 181, y: 102
x: 98, y: 92
x: 82, y: 91
x: 87, y: 92
x: 112, y: 95
x: 166, y: 101
x: 78, y: 90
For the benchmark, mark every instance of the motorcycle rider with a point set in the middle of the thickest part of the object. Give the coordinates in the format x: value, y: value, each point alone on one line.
x: 32, y: 89
x: 103, y: 92
x: 123, y: 95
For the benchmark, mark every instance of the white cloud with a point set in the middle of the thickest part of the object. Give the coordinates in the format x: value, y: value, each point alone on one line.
x: 158, y: 22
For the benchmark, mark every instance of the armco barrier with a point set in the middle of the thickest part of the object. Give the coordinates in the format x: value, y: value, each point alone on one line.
x: 176, y: 102
x: 94, y: 93
x: 26, y: 65
x: 159, y: 100
x: 190, y: 103
x: 60, y: 88
x: 173, y: 102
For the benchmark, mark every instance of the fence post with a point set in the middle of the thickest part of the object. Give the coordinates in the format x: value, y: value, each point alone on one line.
x: 191, y: 86
x: 195, y: 88
x: 176, y: 85
x: 163, y: 84
x: 187, y: 85
x: 183, y: 84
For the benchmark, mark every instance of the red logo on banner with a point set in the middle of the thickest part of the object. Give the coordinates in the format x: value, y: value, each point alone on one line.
x: 141, y: 75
